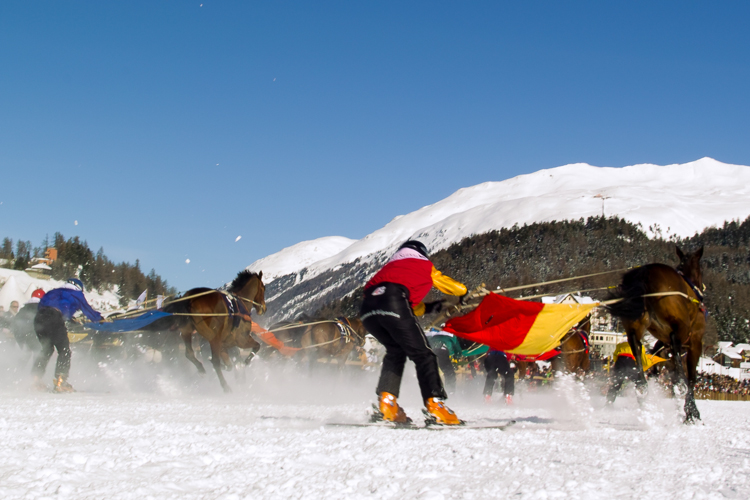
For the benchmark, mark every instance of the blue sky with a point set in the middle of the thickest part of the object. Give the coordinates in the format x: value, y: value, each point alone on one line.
x: 167, y: 128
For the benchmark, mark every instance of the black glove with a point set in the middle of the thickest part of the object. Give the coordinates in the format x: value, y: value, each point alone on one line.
x: 433, y: 307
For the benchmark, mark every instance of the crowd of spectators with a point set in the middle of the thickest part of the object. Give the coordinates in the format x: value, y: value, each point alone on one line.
x: 708, y: 382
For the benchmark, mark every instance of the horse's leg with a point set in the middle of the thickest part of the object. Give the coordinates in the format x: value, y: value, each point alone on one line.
x: 635, y: 333
x: 684, y: 385
x: 227, y: 360
x: 216, y: 355
x: 693, y: 355
x: 680, y: 385
x: 617, y: 380
x: 307, y: 341
x: 187, y: 338
x: 254, y: 346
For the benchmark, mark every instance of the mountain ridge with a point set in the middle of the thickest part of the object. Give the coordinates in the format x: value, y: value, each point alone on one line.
x: 676, y: 200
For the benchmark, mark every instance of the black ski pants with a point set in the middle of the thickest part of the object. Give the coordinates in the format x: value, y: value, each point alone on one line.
x: 496, y: 363
x: 50, y: 329
x: 388, y: 316
x: 446, y: 365
x: 625, y: 369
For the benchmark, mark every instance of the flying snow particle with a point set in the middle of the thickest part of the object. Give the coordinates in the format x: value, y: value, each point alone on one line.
x: 238, y: 238
x: 187, y: 261
x: 201, y: 5
x: 75, y: 222
x: 274, y: 79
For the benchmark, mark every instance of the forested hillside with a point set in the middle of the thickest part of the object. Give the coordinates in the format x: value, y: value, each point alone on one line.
x: 560, y: 249
x: 74, y: 257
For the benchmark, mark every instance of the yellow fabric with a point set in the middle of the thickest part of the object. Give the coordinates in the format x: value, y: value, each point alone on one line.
x: 550, y: 326
x: 76, y: 337
x: 419, y: 309
x: 648, y: 360
x: 447, y: 284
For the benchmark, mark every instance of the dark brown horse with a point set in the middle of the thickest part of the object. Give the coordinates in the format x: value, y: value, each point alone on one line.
x: 334, y: 339
x: 668, y: 303
x: 222, y: 318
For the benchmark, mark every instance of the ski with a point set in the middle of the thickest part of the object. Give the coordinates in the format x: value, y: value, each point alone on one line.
x: 431, y: 427
x: 382, y: 425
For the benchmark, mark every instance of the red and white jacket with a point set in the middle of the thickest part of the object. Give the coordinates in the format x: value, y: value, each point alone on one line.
x: 413, y: 270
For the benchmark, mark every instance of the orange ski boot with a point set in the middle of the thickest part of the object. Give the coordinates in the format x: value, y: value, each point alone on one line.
x: 60, y: 385
x: 38, y: 385
x: 438, y: 413
x: 390, y: 411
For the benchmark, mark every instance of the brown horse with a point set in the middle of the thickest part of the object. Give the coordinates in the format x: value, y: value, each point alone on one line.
x: 222, y: 318
x: 668, y: 303
x: 574, y: 350
x: 333, y: 339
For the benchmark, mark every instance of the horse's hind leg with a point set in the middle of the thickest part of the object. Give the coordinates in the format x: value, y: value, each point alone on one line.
x: 216, y: 354
x: 635, y: 333
x: 187, y: 338
x: 253, y: 352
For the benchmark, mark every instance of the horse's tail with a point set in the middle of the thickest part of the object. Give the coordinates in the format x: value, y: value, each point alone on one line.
x: 632, y: 304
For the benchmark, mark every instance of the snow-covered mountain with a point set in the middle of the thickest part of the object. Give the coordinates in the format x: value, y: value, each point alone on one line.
x: 674, y: 200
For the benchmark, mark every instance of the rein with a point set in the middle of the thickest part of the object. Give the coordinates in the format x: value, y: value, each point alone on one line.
x: 692, y: 285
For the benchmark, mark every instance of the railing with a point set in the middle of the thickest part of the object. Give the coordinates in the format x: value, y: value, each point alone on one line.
x: 721, y: 396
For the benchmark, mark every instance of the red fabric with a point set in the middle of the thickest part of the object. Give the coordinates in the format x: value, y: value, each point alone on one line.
x: 270, y: 339
x: 409, y: 268
x: 499, y: 322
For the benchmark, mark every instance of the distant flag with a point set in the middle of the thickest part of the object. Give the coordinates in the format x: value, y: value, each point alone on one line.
x: 159, y: 301
x: 141, y: 298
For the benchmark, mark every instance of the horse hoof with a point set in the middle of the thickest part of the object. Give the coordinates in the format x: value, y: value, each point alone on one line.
x: 691, y: 419
x: 227, y: 389
x: 680, y: 390
x: 641, y: 390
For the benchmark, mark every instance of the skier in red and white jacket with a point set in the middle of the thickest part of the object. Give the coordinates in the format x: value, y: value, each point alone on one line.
x: 392, y: 301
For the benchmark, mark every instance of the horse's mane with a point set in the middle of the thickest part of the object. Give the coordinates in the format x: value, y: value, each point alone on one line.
x: 241, y: 280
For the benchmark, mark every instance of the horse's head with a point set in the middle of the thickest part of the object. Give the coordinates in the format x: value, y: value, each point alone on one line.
x: 250, y: 286
x: 690, y: 266
x: 260, y: 295
x: 359, y: 328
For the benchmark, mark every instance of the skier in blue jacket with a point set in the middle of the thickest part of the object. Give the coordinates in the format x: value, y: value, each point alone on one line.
x: 55, y: 308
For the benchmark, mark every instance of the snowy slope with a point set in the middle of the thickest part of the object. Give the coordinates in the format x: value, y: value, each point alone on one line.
x: 17, y: 285
x: 300, y: 256
x: 680, y: 199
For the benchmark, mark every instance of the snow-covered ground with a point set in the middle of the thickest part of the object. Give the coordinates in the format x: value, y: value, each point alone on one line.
x: 143, y: 431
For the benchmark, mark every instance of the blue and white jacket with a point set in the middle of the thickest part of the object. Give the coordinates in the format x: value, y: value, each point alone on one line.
x: 68, y: 301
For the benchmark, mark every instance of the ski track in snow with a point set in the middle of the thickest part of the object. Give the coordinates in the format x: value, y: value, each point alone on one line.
x: 148, y: 432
